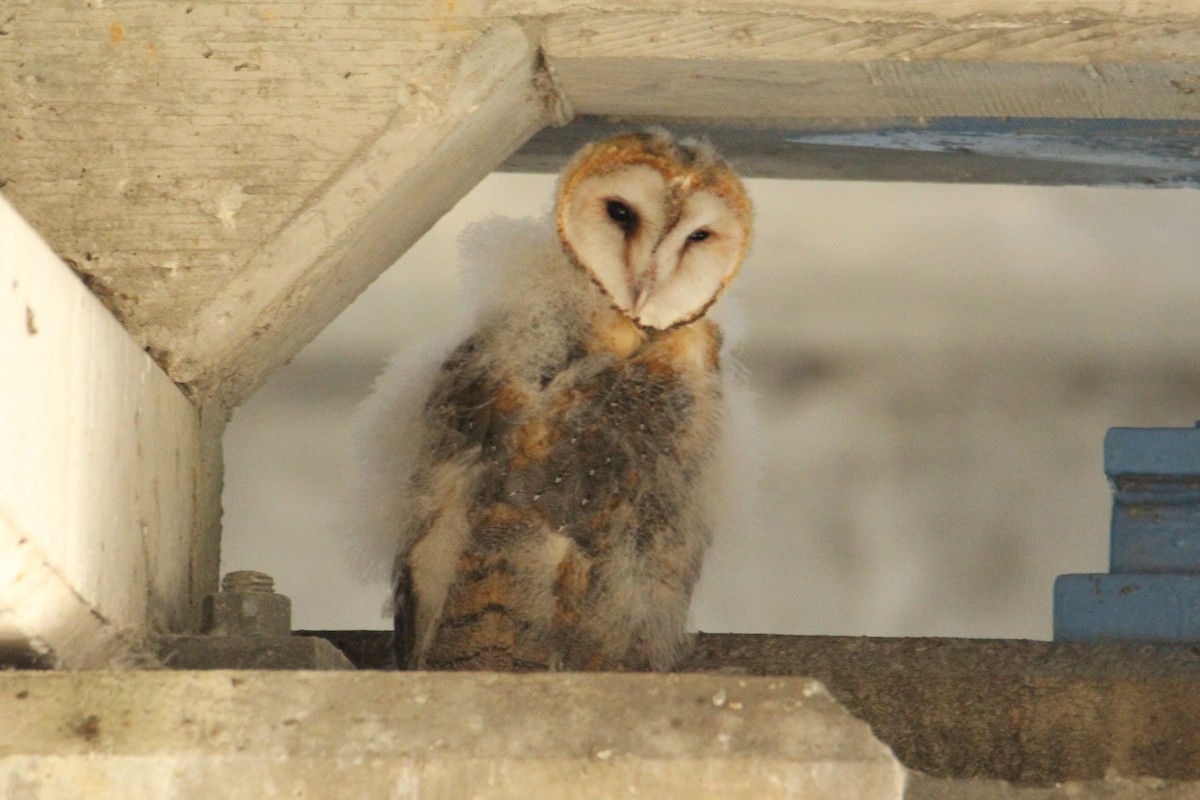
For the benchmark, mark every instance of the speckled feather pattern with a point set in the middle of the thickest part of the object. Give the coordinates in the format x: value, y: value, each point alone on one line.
x: 584, y: 543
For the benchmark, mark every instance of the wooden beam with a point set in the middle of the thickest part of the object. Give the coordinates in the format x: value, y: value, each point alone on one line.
x: 881, y: 61
x: 488, y: 100
x: 106, y: 503
x: 1054, y: 152
x: 969, y: 91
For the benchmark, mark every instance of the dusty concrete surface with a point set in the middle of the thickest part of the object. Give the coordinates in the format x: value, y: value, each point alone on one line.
x: 923, y: 787
x: 432, y: 735
x: 250, y: 652
x: 365, y: 649
x: 1032, y: 712
x: 1024, y: 711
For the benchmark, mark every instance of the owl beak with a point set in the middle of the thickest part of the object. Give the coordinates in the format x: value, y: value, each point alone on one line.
x: 639, y: 299
x: 641, y: 296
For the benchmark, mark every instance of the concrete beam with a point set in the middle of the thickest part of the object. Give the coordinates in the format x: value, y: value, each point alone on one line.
x: 433, y: 735
x: 107, y: 493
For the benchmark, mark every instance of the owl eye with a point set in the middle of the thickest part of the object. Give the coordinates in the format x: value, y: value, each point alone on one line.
x: 699, y: 235
x: 625, y: 217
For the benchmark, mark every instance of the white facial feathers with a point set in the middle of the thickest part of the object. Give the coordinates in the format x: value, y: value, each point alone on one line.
x: 693, y: 262
x: 660, y: 226
x: 609, y: 250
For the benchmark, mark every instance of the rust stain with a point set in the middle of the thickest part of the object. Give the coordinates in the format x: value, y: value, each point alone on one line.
x: 30, y: 322
x: 116, y: 32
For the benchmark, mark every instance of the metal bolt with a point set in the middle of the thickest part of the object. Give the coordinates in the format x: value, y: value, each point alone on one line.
x: 247, y: 580
x: 247, y: 605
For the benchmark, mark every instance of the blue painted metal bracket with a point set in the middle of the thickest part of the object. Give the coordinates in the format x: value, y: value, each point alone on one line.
x: 1152, y: 590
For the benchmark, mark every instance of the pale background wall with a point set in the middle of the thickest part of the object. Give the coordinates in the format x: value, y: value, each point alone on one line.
x: 937, y: 367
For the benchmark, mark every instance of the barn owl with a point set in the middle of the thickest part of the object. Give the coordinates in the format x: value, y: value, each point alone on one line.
x: 546, y: 482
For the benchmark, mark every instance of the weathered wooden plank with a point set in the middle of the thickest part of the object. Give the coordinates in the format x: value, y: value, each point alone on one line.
x: 485, y: 103
x: 811, y: 65
x: 974, y: 13
x: 158, y: 145
x: 102, y: 485
x: 1158, y: 153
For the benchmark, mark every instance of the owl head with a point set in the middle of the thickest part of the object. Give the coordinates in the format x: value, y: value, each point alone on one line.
x: 661, y: 225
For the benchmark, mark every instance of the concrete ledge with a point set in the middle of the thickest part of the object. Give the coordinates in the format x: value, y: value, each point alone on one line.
x: 433, y: 735
x: 923, y: 787
x: 1024, y: 711
x: 1008, y: 710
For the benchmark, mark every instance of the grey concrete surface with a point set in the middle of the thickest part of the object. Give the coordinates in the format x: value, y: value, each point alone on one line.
x: 923, y: 787
x: 193, y: 735
x: 1025, y: 711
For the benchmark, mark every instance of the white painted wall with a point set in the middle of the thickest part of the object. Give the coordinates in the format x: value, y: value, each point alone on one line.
x: 938, y: 366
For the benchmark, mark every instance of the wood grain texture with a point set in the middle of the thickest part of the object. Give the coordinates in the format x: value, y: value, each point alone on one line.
x: 765, y: 67
x: 158, y: 146
x: 101, y: 478
x: 458, y: 123
x: 1041, y: 151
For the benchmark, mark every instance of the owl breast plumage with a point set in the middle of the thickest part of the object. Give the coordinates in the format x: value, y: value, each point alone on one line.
x: 546, y: 481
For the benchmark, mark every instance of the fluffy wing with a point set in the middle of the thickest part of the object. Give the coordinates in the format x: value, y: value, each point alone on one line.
x: 505, y: 264
x: 386, y: 441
